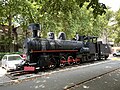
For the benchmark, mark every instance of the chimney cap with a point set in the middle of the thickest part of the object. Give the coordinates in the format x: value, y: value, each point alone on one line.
x: 34, y: 26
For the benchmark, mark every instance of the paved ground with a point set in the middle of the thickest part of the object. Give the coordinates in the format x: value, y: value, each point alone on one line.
x: 67, y: 78
x: 110, y: 81
x: 2, y: 71
x: 3, y: 78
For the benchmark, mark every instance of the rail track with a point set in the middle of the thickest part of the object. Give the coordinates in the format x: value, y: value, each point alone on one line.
x: 18, y: 74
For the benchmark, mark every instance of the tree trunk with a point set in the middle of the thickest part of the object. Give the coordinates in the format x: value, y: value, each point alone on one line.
x: 10, y: 33
x: 15, y: 44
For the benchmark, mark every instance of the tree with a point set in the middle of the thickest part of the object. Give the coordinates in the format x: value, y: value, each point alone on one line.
x: 117, y: 27
x: 70, y: 16
x: 56, y: 6
x: 11, y: 10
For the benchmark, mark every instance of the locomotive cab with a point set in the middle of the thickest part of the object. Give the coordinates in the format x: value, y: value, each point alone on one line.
x: 91, y: 43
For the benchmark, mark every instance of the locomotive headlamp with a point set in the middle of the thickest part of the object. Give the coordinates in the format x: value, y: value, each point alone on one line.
x: 34, y: 28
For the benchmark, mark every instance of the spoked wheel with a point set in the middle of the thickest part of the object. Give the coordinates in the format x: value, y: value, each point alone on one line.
x: 78, y: 61
x: 62, y: 62
x: 52, y: 63
x: 70, y: 60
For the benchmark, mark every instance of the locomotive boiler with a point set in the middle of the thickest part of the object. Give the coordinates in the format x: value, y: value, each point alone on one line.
x: 51, y: 52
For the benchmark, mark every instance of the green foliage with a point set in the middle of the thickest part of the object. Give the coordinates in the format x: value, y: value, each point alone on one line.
x: 55, y: 6
x: 70, y: 16
x: 117, y: 27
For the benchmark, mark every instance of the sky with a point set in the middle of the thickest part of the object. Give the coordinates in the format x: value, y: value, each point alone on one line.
x: 114, y: 4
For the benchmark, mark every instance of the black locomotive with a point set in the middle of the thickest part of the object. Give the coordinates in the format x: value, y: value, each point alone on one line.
x: 51, y: 52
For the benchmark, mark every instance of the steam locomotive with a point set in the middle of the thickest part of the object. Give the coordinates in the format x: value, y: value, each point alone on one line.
x: 50, y: 52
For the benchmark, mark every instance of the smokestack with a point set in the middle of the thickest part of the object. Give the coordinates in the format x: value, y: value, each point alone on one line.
x: 34, y: 28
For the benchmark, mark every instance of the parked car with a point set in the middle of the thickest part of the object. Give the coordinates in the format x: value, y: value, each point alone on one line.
x: 117, y: 53
x: 11, y: 62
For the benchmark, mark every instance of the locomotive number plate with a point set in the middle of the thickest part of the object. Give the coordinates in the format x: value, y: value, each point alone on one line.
x: 29, y: 68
